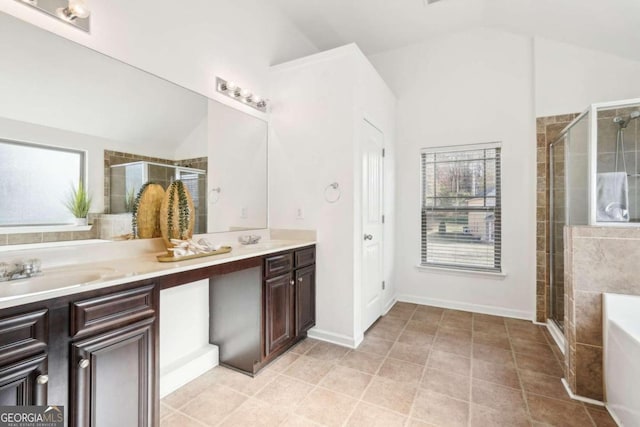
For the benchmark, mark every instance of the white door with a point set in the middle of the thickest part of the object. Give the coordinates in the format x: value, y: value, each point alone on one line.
x: 372, y: 248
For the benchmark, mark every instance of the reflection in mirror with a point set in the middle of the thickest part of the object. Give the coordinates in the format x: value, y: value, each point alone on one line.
x: 56, y: 93
x: 237, y: 170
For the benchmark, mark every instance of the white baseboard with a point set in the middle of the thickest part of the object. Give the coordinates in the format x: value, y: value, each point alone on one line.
x: 186, y: 369
x: 475, y: 308
x: 580, y: 398
x: 389, y: 305
x: 333, y: 338
x: 557, y: 335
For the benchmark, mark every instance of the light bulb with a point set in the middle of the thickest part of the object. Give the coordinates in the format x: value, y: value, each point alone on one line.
x: 231, y: 86
x: 79, y: 8
x: 256, y: 99
x: 245, y: 93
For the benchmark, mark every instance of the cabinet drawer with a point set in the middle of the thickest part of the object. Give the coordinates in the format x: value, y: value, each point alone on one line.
x: 23, y: 335
x: 305, y: 257
x: 278, y: 264
x: 97, y: 314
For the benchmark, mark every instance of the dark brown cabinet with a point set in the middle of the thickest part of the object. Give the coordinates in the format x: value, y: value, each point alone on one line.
x: 280, y: 312
x: 112, y: 377
x: 24, y: 382
x: 305, y: 299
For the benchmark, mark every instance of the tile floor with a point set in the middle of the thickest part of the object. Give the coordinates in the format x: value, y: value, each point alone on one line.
x: 417, y: 366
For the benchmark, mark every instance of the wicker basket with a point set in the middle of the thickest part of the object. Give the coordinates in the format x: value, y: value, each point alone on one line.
x: 148, y: 214
x: 175, y: 221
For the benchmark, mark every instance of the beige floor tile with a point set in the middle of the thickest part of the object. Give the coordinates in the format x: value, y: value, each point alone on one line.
x: 529, y: 334
x: 498, y: 373
x: 213, y: 405
x: 303, y: 346
x: 309, y: 369
x: 544, y: 385
x: 361, y: 361
x: 327, y: 351
x: 500, y: 398
x: 180, y: 420
x: 241, y: 382
x: 456, y: 322
x: 419, y: 423
x: 440, y: 410
x: 557, y: 413
x: 402, y: 311
x: 425, y: 327
x: 492, y: 354
x: 492, y: 340
x: 186, y: 393
x: 400, y: 371
x: 543, y: 365
x: 452, y: 385
x: 429, y: 309
x: 482, y: 416
x: 366, y: 415
x: 375, y: 345
x: 410, y: 353
x: 283, y: 362
x: 487, y: 318
x: 531, y: 348
x: 165, y: 411
x: 294, y: 420
x: 416, y: 338
x: 427, y: 316
x: 457, y: 314
x: 463, y: 334
x: 326, y: 407
x: 390, y: 394
x: 449, y: 363
x: 384, y: 332
x: 286, y: 392
x: 347, y: 381
x: 601, y: 417
x: 459, y: 346
x: 254, y: 412
x: 391, y: 322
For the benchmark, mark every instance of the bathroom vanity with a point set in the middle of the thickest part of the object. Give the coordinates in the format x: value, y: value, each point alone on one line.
x: 95, y: 348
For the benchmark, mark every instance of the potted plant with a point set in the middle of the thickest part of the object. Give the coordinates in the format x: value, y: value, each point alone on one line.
x: 176, y: 214
x: 78, y: 202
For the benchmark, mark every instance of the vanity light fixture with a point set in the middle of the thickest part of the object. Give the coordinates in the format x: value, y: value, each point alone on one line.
x: 73, y: 12
x: 232, y: 90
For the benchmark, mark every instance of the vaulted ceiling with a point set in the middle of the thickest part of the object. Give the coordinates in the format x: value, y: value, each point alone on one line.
x: 378, y: 25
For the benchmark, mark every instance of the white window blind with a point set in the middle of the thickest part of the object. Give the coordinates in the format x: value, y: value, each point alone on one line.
x: 461, y: 215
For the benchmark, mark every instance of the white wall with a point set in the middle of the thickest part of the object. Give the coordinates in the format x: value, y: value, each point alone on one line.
x: 568, y: 78
x: 468, y: 87
x: 237, y: 40
x: 313, y: 142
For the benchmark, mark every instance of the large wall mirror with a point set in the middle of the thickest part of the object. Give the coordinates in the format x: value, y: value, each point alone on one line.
x: 131, y: 126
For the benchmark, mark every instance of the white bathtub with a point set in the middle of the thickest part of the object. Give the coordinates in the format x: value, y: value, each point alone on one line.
x: 622, y: 357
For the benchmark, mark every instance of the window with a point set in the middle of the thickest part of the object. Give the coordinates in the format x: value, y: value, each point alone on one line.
x: 35, y: 180
x: 461, y: 222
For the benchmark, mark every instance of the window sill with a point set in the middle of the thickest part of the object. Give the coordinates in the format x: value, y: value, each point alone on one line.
x: 44, y: 229
x: 461, y: 272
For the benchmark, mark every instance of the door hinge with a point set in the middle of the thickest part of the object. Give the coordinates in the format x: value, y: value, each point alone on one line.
x: 383, y: 152
x: 383, y: 285
x: 383, y: 219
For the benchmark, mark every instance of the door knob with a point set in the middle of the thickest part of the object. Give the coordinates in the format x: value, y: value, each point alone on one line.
x: 83, y: 364
x: 292, y: 282
x: 368, y: 237
x: 300, y: 279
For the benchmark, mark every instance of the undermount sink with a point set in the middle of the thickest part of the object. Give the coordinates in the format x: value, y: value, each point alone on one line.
x: 53, y: 279
x: 264, y: 245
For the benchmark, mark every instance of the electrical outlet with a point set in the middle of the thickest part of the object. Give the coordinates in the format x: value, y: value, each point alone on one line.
x: 299, y: 213
x: 244, y: 213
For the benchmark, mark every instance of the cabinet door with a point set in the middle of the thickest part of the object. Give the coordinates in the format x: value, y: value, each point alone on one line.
x: 305, y: 299
x: 112, y: 378
x: 279, y: 312
x: 25, y: 382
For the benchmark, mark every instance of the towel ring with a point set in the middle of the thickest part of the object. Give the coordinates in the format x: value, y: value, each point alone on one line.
x: 213, y: 200
x: 332, y: 192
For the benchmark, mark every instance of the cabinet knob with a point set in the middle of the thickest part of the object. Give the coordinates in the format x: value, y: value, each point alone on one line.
x: 42, y: 379
x: 300, y: 279
x: 83, y: 364
x: 292, y: 282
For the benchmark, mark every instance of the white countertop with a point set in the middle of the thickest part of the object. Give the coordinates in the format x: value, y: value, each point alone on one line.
x: 57, y: 281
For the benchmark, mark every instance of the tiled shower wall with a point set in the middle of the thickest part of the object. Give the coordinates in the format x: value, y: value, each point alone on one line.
x: 548, y: 129
x: 599, y: 259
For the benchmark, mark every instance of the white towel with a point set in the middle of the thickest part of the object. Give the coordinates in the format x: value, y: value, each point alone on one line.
x: 613, y: 197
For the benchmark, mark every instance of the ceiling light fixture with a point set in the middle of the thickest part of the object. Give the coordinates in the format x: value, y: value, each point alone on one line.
x: 73, y: 12
x: 245, y: 96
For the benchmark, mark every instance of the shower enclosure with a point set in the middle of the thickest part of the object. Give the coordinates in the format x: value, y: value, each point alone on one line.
x: 127, y: 178
x: 594, y: 180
